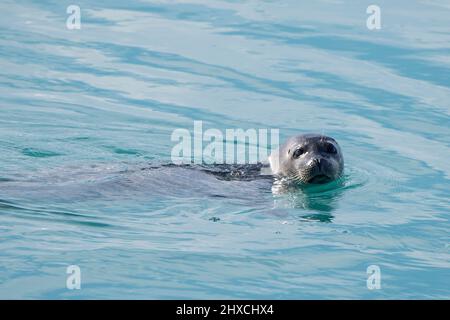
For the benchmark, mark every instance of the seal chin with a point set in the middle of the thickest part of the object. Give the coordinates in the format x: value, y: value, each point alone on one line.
x: 320, y: 178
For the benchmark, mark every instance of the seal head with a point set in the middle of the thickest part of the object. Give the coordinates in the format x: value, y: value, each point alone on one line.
x: 308, y: 158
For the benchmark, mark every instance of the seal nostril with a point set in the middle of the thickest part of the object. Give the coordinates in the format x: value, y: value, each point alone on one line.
x: 317, y: 162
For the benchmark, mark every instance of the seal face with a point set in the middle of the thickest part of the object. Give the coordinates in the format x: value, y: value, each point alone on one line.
x: 308, y: 158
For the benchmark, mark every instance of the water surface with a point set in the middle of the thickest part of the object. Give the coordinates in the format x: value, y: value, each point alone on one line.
x: 86, y: 113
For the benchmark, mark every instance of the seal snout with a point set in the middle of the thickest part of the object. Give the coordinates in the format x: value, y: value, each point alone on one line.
x: 316, y: 162
x: 317, y: 172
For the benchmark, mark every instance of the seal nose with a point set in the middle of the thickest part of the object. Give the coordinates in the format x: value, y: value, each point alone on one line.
x: 317, y: 162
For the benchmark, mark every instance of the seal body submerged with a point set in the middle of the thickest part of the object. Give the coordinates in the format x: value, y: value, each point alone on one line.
x: 305, y: 159
x: 308, y: 158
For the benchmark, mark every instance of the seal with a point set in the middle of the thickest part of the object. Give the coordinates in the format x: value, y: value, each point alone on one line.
x: 308, y: 158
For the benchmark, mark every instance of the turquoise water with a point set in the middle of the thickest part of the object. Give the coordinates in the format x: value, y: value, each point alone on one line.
x: 86, y: 113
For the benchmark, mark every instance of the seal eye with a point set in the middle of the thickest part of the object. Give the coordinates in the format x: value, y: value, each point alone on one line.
x: 297, y: 153
x: 330, y: 148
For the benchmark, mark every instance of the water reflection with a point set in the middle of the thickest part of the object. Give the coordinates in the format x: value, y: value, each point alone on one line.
x: 322, y: 200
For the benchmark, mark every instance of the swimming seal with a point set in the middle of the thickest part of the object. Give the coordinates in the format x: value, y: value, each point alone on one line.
x: 308, y: 158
